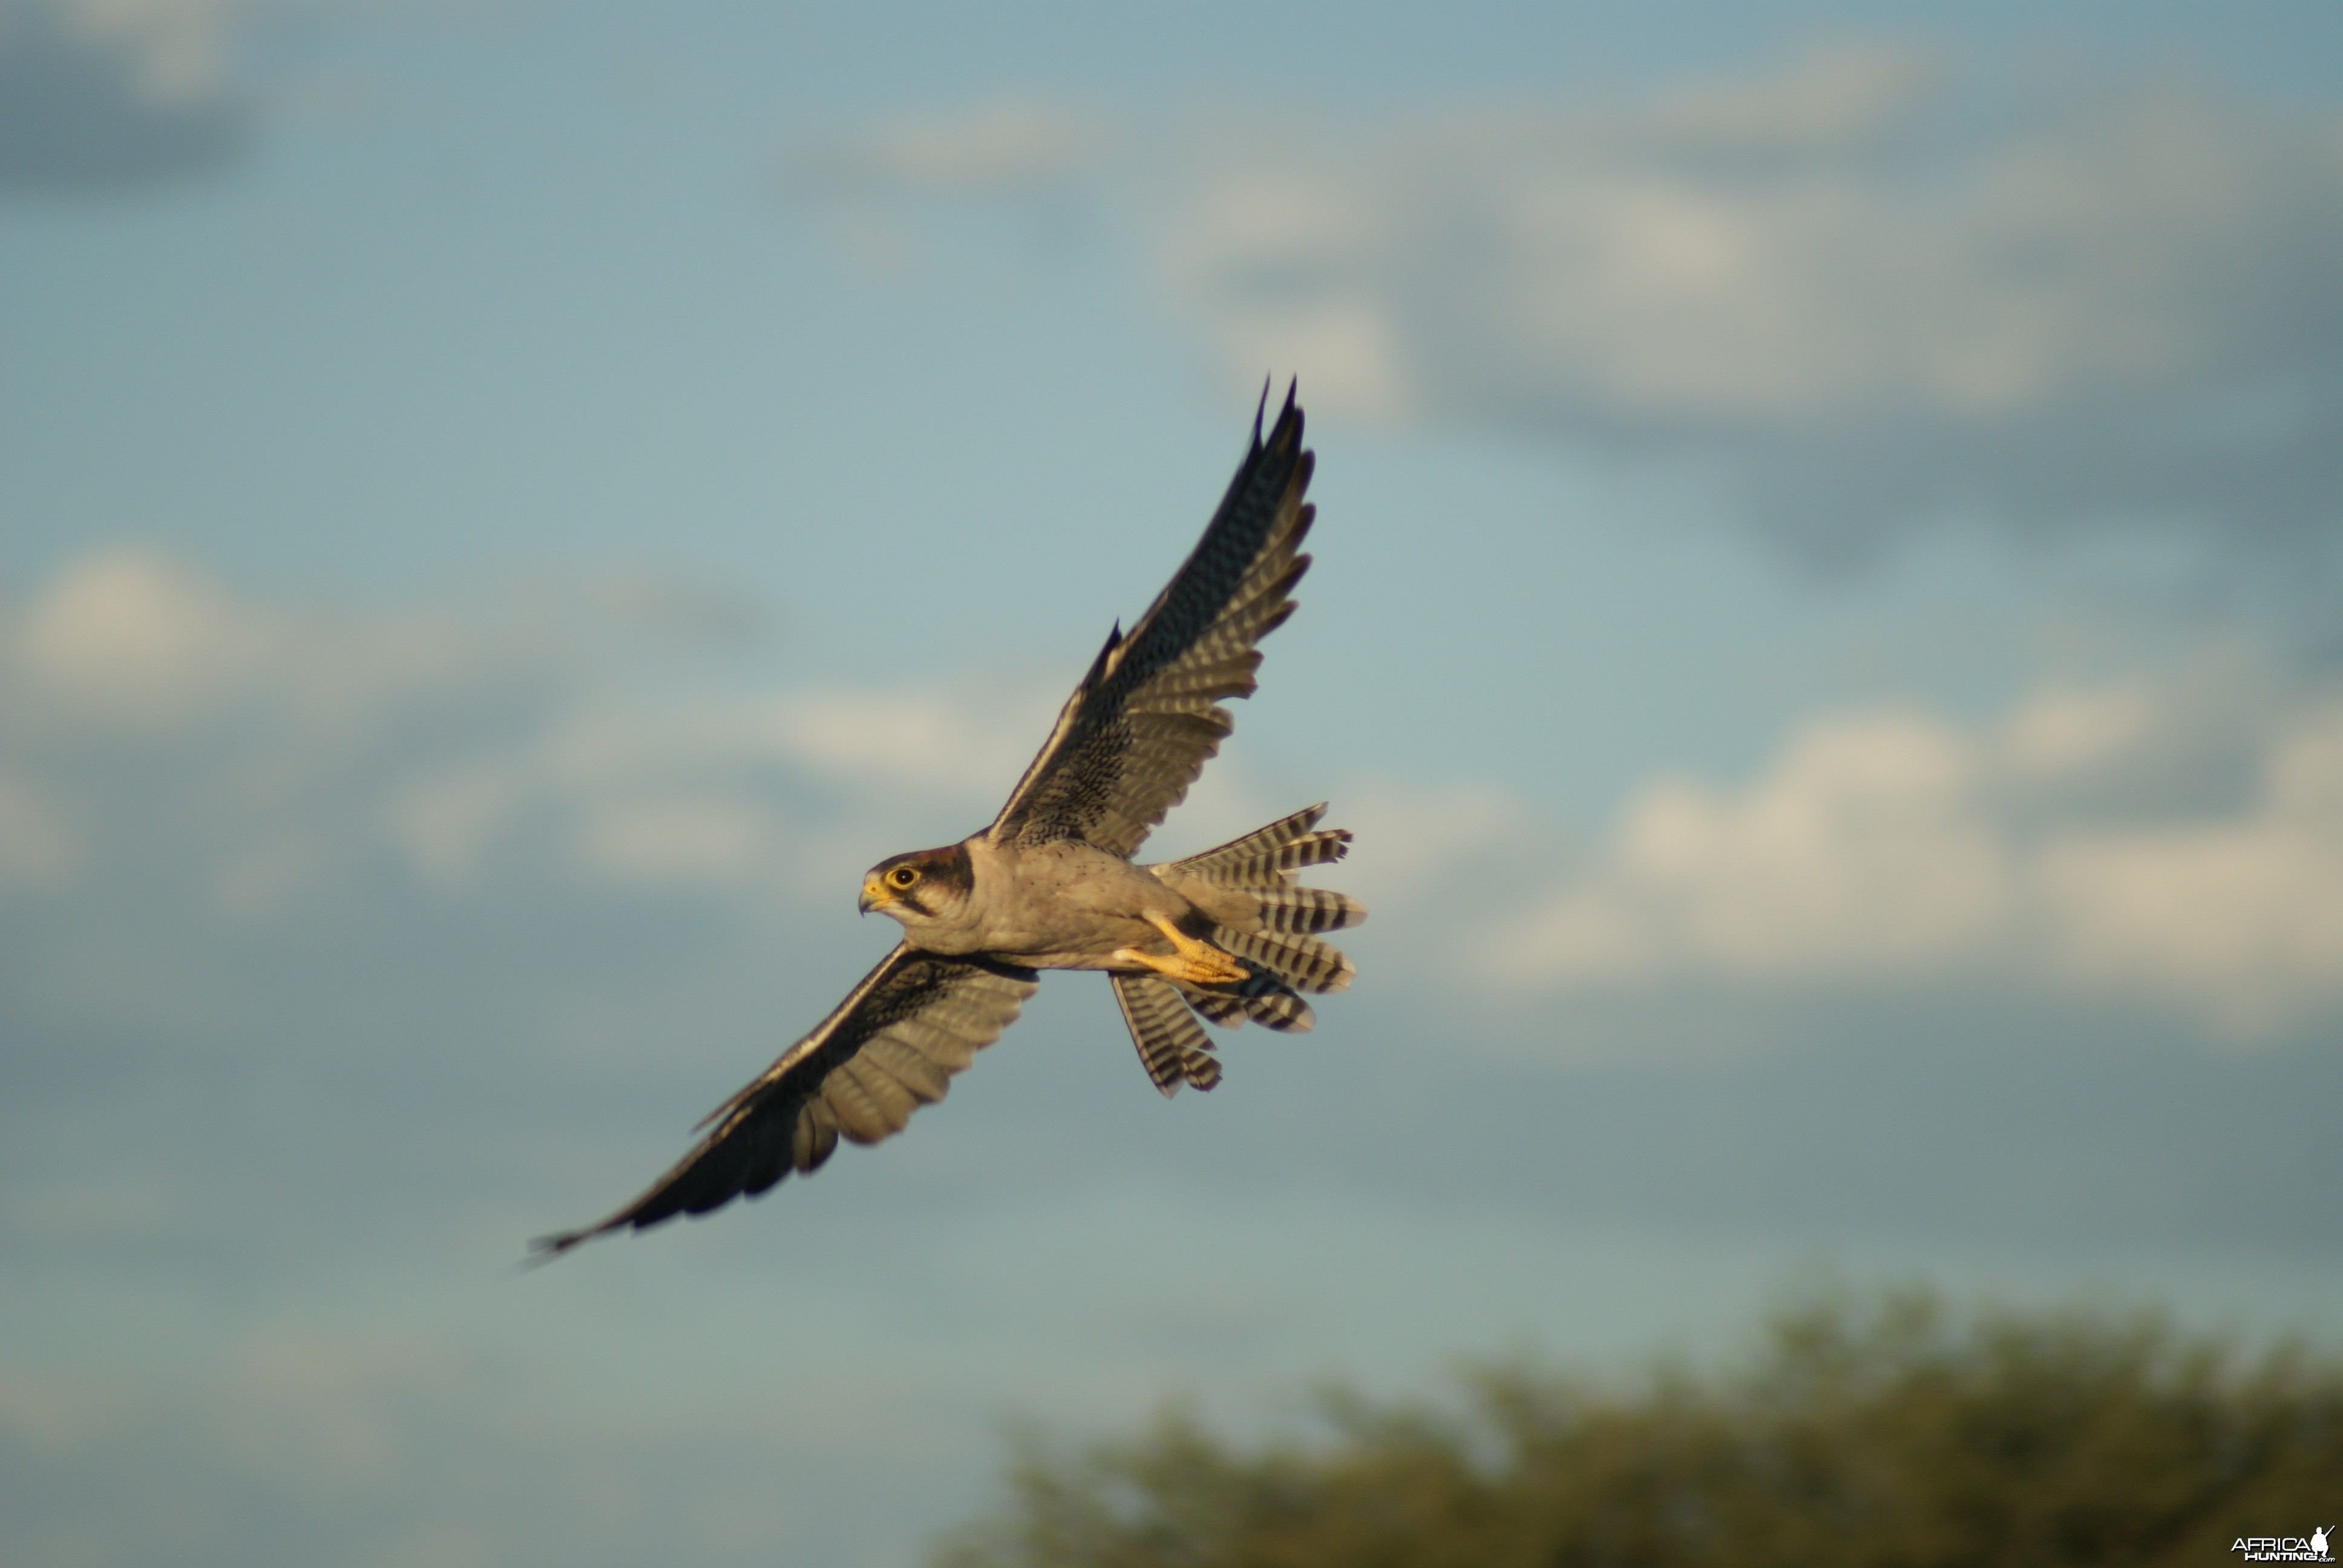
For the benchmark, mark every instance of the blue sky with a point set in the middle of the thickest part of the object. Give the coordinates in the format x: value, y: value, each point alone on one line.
x: 1823, y: 625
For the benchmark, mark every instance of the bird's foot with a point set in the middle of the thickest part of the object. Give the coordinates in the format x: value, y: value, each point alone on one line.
x: 1190, y: 961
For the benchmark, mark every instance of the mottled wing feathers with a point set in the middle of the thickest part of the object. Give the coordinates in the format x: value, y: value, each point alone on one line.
x: 1146, y: 718
x: 890, y: 1047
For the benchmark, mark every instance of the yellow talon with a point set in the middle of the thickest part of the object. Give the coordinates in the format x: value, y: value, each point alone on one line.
x: 1191, y: 961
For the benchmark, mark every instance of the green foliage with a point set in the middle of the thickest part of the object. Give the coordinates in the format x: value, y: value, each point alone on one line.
x: 1894, y: 1436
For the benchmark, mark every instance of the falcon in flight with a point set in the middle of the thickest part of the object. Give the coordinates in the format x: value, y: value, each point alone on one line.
x: 1051, y: 884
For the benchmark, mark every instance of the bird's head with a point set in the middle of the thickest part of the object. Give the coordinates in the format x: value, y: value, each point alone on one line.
x: 921, y: 888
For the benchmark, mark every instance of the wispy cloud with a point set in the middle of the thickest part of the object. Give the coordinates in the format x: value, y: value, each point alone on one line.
x: 165, y: 737
x: 1865, y: 300
x: 1012, y: 150
x: 1003, y: 146
x: 2111, y: 307
x: 126, y: 637
x: 103, y: 94
x: 154, y: 718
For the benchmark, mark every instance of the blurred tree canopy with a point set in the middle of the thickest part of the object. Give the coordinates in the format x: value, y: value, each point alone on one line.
x: 1890, y: 1432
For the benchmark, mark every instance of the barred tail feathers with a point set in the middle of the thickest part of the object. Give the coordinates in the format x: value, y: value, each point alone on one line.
x: 1266, y: 858
x: 1305, y: 911
x: 1263, y: 864
x: 1264, y: 1000
x: 1282, y: 957
x: 1304, y: 964
x: 1173, y: 1046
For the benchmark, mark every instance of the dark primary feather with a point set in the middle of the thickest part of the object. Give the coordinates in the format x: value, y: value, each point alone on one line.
x: 1145, y: 719
x: 892, y: 1046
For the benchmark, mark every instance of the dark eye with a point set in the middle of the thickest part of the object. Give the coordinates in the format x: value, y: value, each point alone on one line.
x: 902, y: 876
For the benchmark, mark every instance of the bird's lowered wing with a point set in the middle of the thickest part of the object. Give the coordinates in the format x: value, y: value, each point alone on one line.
x: 890, y: 1047
x: 1145, y: 719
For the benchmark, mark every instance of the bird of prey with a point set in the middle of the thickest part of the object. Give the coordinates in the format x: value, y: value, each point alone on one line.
x: 1051, y: 885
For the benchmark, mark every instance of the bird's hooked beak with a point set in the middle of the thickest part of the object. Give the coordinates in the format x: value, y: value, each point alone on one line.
x: 874, y: 894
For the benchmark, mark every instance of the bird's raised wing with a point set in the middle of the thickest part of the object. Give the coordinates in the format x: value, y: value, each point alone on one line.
x: 890, y: 1047
x: 1145, y: 719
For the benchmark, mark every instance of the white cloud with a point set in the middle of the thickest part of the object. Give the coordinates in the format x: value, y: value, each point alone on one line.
x: 2180, y: 841
x: 1007, y: 149
x: 744, y: 791
x: 1806, y: 274
x: 971, y: 740
x: 1893, y: 847
x: 1003, y: 146
x: 1868, y: 300
x: 126, y: 637
x: 1412, y: 838
x: 176, y: 45
x: 1856, y: 851
x: 113, y: 93
x: 128, y: 634
x: 154, y: 725
x: 2245, y: 913
x: 680, y: 838
x: 444, y: 819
